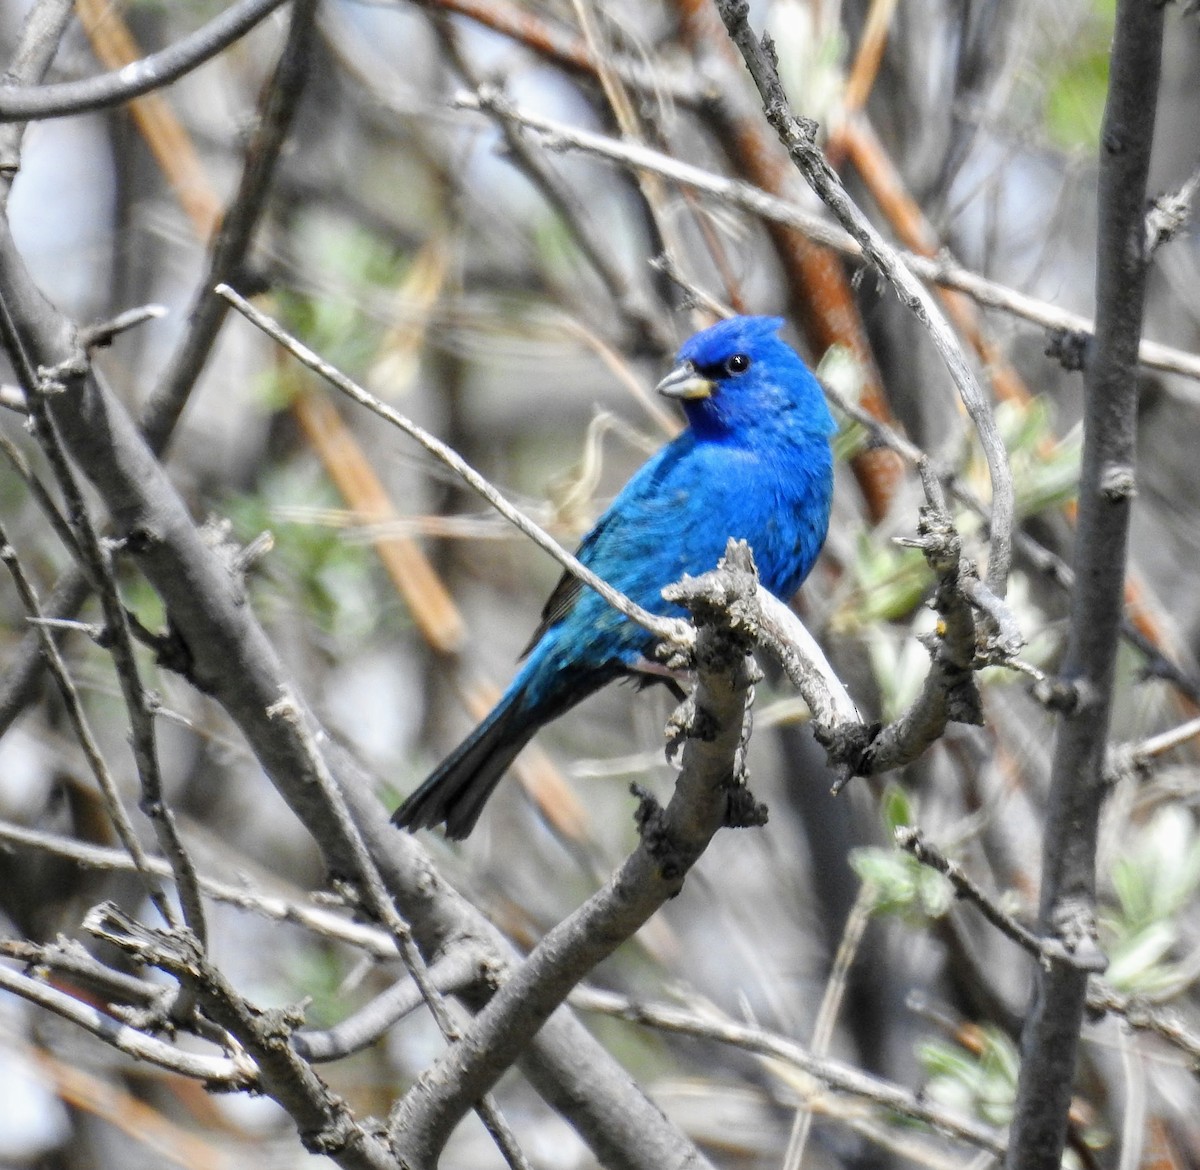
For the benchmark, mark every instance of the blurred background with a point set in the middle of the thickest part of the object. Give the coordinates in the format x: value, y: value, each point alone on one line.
x: 502, y: 291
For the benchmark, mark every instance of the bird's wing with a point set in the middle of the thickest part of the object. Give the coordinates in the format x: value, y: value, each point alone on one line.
x: 635, y: 523
x: 566, y: 592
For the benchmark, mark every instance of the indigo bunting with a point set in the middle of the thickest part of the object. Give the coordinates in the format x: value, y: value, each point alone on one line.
x: 754, y: 463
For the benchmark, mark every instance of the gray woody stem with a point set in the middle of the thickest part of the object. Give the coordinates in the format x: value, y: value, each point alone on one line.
x: 799, y: 137
x: 708, y: 794
x: 1051, y: 1039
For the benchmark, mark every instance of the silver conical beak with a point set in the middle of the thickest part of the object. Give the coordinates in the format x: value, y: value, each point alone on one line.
x: 684, y: 382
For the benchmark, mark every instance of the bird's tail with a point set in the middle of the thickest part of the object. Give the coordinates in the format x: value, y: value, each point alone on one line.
x: 454, y: 795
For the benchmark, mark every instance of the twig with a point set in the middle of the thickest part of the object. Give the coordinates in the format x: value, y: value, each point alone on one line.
x: 95, y: 556
x: 800, y: 139
x: 1134, y: 758
x: 1169, y: 214
x: 1046, y: 951
x: 41, y: 34
x: 19, y: 103
x: 456, y: 971
x: 671, y: 630
x: 373, y: 941
x: 83, y: 732
x: 236, y: 1073
x: 1146, y: 1017
x: 835, y: 989
x: 277, y: 109
x: 949, y: 692
x: 942, y: 270
x: 104, y: 332
x: 629, y: 298
x: 834, y: 1074
x: 382, y: 907
x: 324, y: 1122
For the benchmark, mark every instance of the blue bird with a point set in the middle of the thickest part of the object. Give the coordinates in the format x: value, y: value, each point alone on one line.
x: 754, y: 463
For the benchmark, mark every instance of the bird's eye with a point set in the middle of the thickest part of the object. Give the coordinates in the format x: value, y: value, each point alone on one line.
x: 738, y: 364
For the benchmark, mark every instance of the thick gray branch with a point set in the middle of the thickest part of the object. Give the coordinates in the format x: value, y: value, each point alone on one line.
x: 1077, y: 783
x: 709, y: 793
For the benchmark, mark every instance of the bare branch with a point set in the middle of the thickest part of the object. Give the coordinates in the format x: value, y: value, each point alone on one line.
x: 671, y: 630
x: 95, y: 557
x: 373, y: 941
x: 324, y: 1122
x: 83, y: 732
x: 238, y: 1073
x: 942, y: 270
x: 709, y: 793
x: 459, y: 969
x: 41, y: 34
x: 842, y: 1078
x: 20, y: 103
x: 1067, y: 912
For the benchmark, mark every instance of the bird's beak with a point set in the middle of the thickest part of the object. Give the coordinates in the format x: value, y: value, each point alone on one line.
x: 684, y: 382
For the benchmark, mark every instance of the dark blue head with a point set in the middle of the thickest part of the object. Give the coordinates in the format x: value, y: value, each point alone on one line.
x: 737, y: 374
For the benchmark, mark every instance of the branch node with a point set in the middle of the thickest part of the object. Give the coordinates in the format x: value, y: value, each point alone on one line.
x: 1071, y: 348
x: 742, y: 810
x: 1063, y: 696
x: 1118, y: 483
x: 654, y: 830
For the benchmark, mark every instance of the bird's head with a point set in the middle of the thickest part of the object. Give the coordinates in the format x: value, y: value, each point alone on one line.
x: 738, y: 374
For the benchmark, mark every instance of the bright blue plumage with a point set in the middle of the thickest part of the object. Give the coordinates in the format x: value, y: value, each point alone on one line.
x: 754, y: 464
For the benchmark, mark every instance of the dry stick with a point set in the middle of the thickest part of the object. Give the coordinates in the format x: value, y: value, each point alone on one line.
x: 673, y: 630
x: 280, y: 100
x: 324, y: 1122
x: 41, y: 33
x: 324, y: 923
x: 1046, y: 951
x: 652, y: 190
x: 800, y: 139
x: 82, y: 969
x: 174, y: 153
x: 1135, y: 757
x: 41, y: 496
x: 83, y: 732
x: 1050, y: 1041
x: 629, y: 299
x: 95, y: 556
x: 232, y: 1074
x: 458, y: 970
x: 164, y: 408
x: 943, y: 270
x: 19, y: 103
x: 842, y: 1078
x: 383, y: 908
x: 856, y: 924
x: 1101, y: 996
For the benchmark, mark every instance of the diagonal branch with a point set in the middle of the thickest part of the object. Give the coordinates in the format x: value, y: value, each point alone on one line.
x: 672, y: 630
x: 709, y: 793
x: 799, y: 136
x: 20, y: 104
